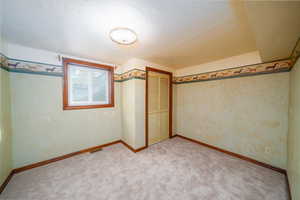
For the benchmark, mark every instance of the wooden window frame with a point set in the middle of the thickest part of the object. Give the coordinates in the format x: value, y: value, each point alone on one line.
x: 110, y: 69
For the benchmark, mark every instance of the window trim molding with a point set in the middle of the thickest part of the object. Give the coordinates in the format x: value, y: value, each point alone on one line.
x: 110, y: 69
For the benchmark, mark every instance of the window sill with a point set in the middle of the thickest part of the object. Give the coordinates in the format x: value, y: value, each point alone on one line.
x: 87, y: 107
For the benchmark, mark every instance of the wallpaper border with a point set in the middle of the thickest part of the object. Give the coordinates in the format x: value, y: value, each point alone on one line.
x: 278, y: 66
x: 237, y: 72
x: 131, y: 74
x: 32, y: 67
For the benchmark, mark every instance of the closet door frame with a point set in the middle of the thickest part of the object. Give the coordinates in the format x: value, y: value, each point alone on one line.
x: 146, y: 102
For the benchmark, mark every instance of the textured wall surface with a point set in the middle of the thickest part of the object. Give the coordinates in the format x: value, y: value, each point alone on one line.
x: 5, y: 115
x: 248, y: 116
x: 244, y: 115
x: 5, y: 127
x: 43, y: 130
x: 133, y: 112
x: 294, y: 132
x: 140, y: 112
x: 128, y: 114
x: 174, y: 114
x: 136, y: 63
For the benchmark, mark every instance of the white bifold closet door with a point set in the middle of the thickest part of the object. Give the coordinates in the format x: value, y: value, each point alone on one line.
x: 158, y: 107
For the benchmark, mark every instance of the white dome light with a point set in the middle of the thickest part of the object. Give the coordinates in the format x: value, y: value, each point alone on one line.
x: 123, y: 36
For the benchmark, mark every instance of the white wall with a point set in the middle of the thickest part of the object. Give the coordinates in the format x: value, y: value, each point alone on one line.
x: 43, y: 56
x: 5, y: 126
x: 142, y: 64
x: 293, y: 167
x: 2, y: 39
x: 140, y: 113
x: 133, y: 115
x: 1, y: 23
x: 41, y: 128
x: 245, y: 115
x: 128, y: 114
x: 248, y: 115
x: 5, y: 114
x: 39, y: 123
x: 235, y: 61
x: 133, y: 98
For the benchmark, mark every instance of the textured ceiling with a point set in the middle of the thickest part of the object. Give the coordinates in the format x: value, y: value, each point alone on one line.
x: 174, y: 33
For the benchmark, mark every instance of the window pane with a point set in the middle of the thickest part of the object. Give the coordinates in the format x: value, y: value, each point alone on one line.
x: 88, y: 85
x: 100, y: 87
x: 79, y: 80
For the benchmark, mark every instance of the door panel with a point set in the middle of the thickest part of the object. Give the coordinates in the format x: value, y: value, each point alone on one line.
x: 153, y: 94
x: 158, y: 107
x: 164, y: 125
x: 154, y: 127
x: 164, y: 93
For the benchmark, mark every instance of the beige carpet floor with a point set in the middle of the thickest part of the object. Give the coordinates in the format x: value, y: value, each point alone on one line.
x: 170, y: 170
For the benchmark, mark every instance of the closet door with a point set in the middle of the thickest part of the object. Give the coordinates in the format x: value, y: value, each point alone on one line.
x: 158, y: 107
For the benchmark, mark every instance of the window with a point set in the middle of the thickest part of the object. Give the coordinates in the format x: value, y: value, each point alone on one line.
x: 87, y: 85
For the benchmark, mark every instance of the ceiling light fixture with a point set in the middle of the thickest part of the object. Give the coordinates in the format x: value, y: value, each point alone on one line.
x: 124, y: 36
